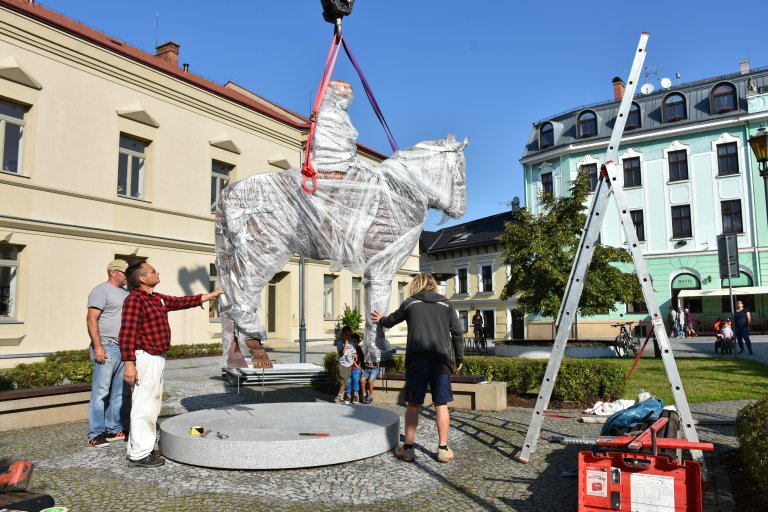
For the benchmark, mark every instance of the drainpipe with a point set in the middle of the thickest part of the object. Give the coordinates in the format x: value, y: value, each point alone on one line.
x: 755, y: 251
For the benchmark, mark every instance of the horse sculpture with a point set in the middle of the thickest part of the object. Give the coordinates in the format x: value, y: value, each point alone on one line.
x: 362, y: 216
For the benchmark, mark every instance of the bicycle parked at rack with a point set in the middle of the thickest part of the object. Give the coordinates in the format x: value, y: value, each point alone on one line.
x: 625, y: 341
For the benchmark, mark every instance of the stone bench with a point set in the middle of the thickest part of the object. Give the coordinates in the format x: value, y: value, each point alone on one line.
x: 469, y: 392
x: 36, y: 407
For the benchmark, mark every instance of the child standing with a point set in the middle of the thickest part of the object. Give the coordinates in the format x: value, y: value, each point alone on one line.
x: 353, y: 383
x: 346, y: 353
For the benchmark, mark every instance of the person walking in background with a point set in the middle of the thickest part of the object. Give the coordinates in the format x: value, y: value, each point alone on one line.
x: 673, y: 322
x: 145, y: 337
x: 689, y: 326
x: 477, y: 327
x: 680, y: 322
x: 105, y: 307
x: 433, y: 350
x: 742, y: 323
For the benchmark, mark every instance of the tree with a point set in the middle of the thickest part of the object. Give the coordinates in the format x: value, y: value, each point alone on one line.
x: 540, y: 251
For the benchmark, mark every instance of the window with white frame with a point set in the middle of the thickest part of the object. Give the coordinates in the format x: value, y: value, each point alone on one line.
x: 11, y: 135
x: 328, y: 296
x: 357, y: 293
x: 9, y: 270
x: 213, y: 283
x: 131, y: 167
x: 485, y: 277
x: 220, y: 173
x: 464, y: 319
x: 441, y: 287
x: 462, y: 281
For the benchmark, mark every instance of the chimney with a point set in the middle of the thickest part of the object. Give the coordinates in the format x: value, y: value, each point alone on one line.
x: 169, y: 51
x: 744, y: 67
x: 186, y: 67
x: 618, y: 88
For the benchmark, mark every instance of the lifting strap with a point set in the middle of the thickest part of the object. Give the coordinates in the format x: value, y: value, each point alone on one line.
x: 639, y: 355
x: 306, y: 169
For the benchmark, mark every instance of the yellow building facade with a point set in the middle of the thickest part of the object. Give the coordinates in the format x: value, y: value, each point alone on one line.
x: 108, y: 151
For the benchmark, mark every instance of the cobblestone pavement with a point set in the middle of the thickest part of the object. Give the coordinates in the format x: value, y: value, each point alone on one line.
x: 484, y: 475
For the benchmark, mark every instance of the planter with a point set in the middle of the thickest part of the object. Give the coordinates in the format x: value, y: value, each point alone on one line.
x: 36, y: 407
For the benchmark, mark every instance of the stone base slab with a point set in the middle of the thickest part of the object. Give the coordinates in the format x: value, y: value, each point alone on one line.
x: 488, y: 396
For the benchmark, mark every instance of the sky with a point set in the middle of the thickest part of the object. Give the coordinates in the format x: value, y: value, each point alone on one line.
x: 486, y: 70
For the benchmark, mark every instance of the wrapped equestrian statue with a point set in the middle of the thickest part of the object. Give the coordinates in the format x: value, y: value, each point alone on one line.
x: 362, y: 216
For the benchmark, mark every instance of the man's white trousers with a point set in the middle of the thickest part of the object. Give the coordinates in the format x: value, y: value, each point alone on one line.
x: 147, y: 398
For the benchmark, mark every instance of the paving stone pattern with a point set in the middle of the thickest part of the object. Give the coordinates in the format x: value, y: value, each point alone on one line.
x: 484, y: 475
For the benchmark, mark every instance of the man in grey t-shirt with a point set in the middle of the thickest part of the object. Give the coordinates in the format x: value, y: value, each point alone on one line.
x: 105, y: 308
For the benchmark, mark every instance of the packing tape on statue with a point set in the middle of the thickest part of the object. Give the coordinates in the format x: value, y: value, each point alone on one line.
x: 198, y: 431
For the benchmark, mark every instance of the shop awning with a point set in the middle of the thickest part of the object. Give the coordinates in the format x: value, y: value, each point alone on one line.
x: 720, y: 292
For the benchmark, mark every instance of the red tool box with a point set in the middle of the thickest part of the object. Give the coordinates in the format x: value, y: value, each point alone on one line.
x: 633, y: 481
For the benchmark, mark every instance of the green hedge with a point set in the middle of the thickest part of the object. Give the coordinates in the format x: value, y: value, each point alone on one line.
x: 752, y: 433
x: 74, y: 366
x: 577, y: 380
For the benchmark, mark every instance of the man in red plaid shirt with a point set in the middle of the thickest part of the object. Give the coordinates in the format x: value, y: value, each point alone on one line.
x: 145, y: 337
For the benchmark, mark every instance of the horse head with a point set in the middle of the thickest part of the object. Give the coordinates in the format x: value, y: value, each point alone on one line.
x: 442, y: 167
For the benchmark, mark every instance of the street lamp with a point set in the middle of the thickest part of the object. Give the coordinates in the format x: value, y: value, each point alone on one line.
x: 759, y: 145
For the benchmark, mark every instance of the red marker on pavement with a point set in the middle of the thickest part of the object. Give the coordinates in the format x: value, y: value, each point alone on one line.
x: 315, y: 434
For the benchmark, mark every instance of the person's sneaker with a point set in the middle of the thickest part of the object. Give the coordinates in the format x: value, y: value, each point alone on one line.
x: 346, y: 399
x: 406, y: 454
x: 116, y: 436
x: 339, y: 399
x: 369, y: 400
x: 444, y: 454
x: 99, y: 441
x: 355, y: 399
x: 150, y: 461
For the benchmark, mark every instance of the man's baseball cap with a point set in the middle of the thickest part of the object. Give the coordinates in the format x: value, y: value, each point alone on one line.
x: 120, y: 265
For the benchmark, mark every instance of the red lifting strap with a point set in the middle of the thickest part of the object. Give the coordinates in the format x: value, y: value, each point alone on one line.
x: 306, y: 169
x: 639, y: 355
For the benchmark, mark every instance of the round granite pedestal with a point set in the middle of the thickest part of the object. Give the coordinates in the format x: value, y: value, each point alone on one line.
x: 280, y: 435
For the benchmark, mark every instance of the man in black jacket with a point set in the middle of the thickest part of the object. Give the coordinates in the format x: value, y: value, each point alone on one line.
x: 433, y: 350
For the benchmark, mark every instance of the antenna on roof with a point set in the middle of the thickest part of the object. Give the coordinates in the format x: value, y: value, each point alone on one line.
x: 157, y: 27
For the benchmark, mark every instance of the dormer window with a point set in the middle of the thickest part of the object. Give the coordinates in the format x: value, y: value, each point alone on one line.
x: 723, y: 98
x: 633, y: 118
x: 586, y: 124
x: 546, y: 136
x: 674, y: 108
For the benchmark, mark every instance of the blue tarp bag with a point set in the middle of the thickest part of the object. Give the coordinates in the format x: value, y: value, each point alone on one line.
x: 633, y: 417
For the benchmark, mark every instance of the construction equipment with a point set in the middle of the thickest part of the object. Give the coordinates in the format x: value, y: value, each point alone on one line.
x: 607, y: 185
x: 16, y: 478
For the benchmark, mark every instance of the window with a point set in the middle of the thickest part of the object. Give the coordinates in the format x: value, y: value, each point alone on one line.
x: 547, y: 186
x: 681, y: 222
x: 441, y: 288
x: 328, y: 299
x: 357, y: 293
x: 130, y: 167
x: 633, y: 118
x: 748, y: 300
x: 678, y: 165
x: 464, y: 319
x: 461, y: 281
x: 213, y: 283
x: 591, y: 169
x: 546, y: 136
x: 12, y: 135
x: 731, y: 215
x: 673, y: 108
x: 586, y: 125
x: 9, y: 269
x: 637, y: 220
x: 727, y: 159
x: 219, y: 179
x: 723, y: 98
x: 637, y: 307
x: 486, y: 278
x: 400, y: 292
x: 632, y: 172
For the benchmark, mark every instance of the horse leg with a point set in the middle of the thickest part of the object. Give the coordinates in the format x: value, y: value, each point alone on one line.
x: 377, y: 291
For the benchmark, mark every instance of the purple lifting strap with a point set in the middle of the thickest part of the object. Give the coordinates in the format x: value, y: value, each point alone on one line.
x: 371, y: 98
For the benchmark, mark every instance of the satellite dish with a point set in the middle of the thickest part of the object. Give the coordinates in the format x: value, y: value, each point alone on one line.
x: 666, y: 83
x: 646, y: 89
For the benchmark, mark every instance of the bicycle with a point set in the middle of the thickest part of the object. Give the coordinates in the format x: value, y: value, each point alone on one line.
x: 625, y: 341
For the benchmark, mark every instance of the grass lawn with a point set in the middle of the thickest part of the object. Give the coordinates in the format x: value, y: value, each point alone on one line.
x: 704, y: 379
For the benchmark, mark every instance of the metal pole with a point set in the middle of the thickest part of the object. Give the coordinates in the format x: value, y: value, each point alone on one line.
x: 302, y: 321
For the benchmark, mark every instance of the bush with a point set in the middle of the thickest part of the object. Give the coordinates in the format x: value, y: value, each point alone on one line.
x: 331, y: 365
x: 752, y: 433
x: 577, y: 380
x: 74, y: 366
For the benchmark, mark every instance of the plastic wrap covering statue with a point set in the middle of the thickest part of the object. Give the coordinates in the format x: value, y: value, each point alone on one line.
x: 362, y: 216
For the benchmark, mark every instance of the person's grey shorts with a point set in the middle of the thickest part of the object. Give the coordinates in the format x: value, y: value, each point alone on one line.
x: 344, y: 373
